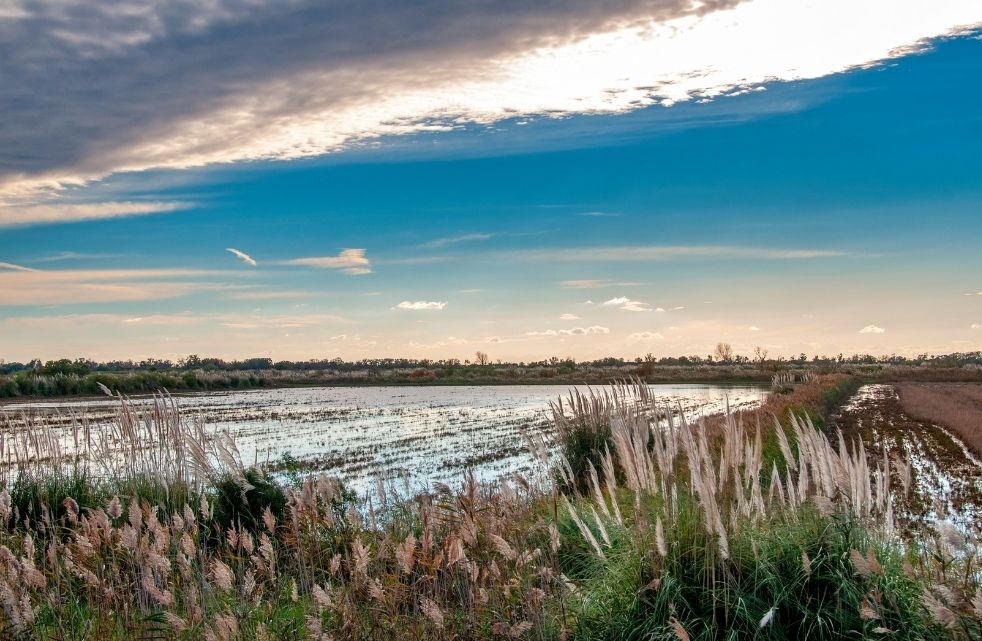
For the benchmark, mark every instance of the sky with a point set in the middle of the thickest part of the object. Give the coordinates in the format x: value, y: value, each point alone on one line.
x: 572, y: 178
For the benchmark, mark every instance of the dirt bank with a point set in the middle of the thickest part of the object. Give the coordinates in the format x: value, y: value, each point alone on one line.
x: 957, y: 406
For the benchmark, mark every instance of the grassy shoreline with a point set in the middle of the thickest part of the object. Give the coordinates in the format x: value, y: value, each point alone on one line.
x: 31, y: 386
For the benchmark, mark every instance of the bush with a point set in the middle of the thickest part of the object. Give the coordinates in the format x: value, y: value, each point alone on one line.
x: 243, y: 506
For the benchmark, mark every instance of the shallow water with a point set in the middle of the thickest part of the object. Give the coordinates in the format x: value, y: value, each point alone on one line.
x: 422, y: 434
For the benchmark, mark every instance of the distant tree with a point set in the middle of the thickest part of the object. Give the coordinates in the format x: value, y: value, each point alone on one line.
x: 482, y: 358
x: 723, y: 352
x: 760, y: 355
x: 190, y: 362
x: 79, y: 367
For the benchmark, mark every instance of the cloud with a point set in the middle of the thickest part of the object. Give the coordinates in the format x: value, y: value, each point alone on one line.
x: 246, y: 258
x: 599, y: 214
x: 628, y: 305
x: 421, y: 305
x: 16, y: 268
x: 66, y: 287
x: 269, y: 295
x: 569, y: 317
x: 47, y: 214
x: 575, y: 331
x: 646, y: 253
x: 872, y: 329
x: 68, y: 255
x: 453, y: 240
x: 753, y: 328
x: 450, y: 341
x: 976, y: 326
x: 305, y: 78
x: 350, y: 261
x: 492, y: 340
x: 645, y: 336
x: 584, y: 284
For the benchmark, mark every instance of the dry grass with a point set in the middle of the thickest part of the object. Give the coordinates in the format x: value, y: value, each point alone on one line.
x: 957, y: 406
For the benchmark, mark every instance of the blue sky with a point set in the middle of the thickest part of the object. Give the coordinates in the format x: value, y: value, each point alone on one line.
x: 831, y: 210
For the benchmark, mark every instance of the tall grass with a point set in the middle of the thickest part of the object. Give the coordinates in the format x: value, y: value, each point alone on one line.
x: 663, y: 529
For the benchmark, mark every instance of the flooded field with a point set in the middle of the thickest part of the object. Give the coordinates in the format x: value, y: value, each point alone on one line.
x: 945, y: 477
x: 422, y: 434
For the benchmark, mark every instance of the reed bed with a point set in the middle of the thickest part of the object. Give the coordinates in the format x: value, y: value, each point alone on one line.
x: 656, y: 528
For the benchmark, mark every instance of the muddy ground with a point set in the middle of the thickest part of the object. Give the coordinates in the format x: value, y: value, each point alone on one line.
x: 946, y: 477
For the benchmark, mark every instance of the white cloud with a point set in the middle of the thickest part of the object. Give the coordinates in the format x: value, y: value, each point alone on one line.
x: 872, y: 329
x: 246, y: 258
x: 44, y: 214
x: 753, y: 328
x: 492, y: 340
x: 350, y: 261
x: 421, y: 305
x: 635, y: 306
x: 575, y: 331
x: 645, y: 336
x: 453, y: 240
x: 976, y: 326
x: 679, y: 308
x: 659, y: 309
x: 569, y: 317
x: 628, y: 305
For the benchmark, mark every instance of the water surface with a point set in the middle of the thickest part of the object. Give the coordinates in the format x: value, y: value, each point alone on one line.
x: 421, y: 433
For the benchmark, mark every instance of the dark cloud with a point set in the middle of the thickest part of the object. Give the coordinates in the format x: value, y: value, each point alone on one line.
x: 91, y: 88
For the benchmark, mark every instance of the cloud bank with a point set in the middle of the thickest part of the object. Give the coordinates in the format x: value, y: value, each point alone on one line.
x: 22, y: 287
x: 186, y: 84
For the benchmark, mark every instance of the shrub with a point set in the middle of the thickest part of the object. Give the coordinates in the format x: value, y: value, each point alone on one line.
x: 241, y: 501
